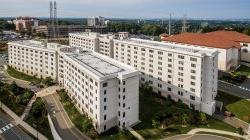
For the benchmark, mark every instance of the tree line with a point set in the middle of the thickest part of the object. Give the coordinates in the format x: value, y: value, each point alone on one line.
x: 134, y: 28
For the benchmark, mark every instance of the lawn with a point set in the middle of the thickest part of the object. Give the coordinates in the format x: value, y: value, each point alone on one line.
x: 151, y: 105
x: 244, y: 70
x: 38, y: 118
x: 14, y: 97
x: 238, y: 106
x: 19, y: 75
x: 85, y: 125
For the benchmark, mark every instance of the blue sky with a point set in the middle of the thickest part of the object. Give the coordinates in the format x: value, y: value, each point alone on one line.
x: 224, y: 9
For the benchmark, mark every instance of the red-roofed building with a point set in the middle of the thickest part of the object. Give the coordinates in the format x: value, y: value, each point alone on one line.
x: 25, y: 23
x: 233, y: 47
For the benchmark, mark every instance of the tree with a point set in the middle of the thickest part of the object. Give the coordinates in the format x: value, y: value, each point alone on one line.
x: 48, y: 81
x: 13, y: 87
x: 155, y: 123
x: 38, y: 108
x: 202, y: 118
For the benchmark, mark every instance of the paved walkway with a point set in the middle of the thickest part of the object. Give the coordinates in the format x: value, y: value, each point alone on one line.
x: 47, y: 91
x: 233, y: 121
x: 28, y: 108
x: 196, y: 130
x: 134, y: 133
x: 19, y: 121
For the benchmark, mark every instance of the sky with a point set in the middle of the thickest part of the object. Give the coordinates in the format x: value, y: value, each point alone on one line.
x: 202, y: 9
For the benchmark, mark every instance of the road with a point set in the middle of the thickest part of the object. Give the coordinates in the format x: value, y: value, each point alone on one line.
x: 9, y: 131
x: 61, y: 121
x: 197, y: 137
x: 233, y: 90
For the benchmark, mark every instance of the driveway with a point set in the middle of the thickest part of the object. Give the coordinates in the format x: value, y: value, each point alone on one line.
x: 197, y: 137
x: 60, y: 119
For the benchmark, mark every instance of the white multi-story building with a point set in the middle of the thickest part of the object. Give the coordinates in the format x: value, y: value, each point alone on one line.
x: 106, y: 90
x: 34, y: 58
x: 100, y: 43
x: 103, y: 88
x: 182, y: 72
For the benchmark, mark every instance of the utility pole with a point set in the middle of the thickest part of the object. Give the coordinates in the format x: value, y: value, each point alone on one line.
x: 169, y: 24
x: 184, y: 24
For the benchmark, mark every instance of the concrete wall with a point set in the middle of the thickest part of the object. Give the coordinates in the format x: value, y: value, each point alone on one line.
x: 56, y: 136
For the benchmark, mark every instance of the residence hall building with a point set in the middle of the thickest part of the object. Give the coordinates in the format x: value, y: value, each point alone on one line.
x: 104, y: 89
x: 34, y: 58
x: 101, y: 43
x: 228, y: 43
x: 182, y: 72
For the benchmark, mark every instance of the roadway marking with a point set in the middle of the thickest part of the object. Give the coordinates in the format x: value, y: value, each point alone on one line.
x: 63, y: 116
x: 5, y: 128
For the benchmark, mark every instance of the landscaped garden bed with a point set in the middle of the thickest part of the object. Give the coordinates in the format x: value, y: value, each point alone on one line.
x: 38, y: 118
x: 15, y: 97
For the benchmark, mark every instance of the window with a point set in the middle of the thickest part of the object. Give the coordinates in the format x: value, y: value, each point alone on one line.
x: 124, y: 90
x: 124, y: 82
x: 105, y: 117
x: 192, y: 83
x: 192, y: 71
x: 191, y: 89
x: 193, y: 65
x: 105, y: 99
x: 123, y: 115
x: 105, y: 84
x: 193, y: 59
x: 180, y: 56
x: 105, y: 107
x: 169, y: 89
x: 104, y: 92
x: 192, y: 97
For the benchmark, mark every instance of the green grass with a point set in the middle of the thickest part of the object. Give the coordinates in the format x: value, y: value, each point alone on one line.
x: 244, y: 70
x: 85, y: 125
x: 151, y: 105
x: 19, y: 75
x: 238, y: 106
x: 38, y: 119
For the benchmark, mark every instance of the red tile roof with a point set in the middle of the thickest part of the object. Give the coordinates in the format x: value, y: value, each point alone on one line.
x: 217, y: 39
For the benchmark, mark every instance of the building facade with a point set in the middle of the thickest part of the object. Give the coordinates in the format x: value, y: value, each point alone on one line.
x: 182, y: 72
x: 228, y: 43
x: 34, y: 58
x: 25, y: 23
x: 101, y: 43
x: 106, y: 90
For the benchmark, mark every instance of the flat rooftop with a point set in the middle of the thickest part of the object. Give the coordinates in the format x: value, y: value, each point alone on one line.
x: 30, y: 43
x: 171, y: 46
x: 100, y: 65
x: 38, y: 44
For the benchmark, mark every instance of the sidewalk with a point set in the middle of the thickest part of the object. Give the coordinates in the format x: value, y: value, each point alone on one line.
x: 25, y: 125
x: 28, y: 108
x: 134, y: 133
x: 196, y: 130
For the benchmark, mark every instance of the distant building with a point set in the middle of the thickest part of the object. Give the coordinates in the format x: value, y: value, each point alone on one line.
x: 64, y: 30
x: 25, y: 23
x: 228, y: 43
x: 96, y: 21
